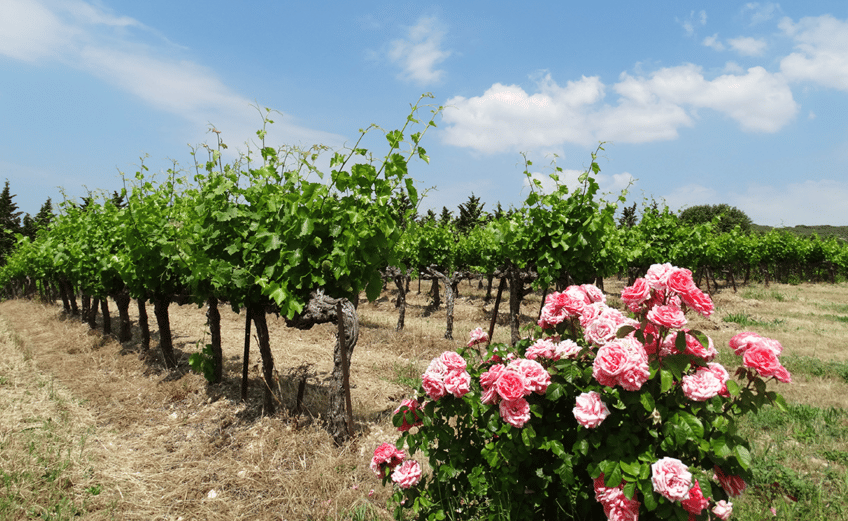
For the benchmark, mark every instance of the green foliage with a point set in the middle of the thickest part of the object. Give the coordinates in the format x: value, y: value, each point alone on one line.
x: 203, y: 363
x: 727, y: 217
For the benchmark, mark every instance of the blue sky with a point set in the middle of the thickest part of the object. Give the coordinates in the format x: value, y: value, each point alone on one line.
x: 699, y: 103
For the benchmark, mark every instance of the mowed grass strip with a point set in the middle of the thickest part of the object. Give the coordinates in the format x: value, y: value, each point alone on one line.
x: 46, y: 456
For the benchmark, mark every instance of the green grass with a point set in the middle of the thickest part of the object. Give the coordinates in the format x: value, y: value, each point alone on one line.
x: 815, y: 367
x: 406, y: 375
x: 745, y: 320
x: 763, y: 294
x: 799, y: 464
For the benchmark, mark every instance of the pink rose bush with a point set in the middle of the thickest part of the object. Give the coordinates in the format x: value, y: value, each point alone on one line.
x: 598, y: 403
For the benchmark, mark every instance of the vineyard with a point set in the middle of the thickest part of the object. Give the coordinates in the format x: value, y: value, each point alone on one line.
x: 288, y: 247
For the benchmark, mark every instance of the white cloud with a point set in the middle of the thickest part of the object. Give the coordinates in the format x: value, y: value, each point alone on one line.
x: 506, y: 117
x: 821, y: 56
x: 760, y: 12
x: 811, y: 202
x: 87, y: 37
x: 30, y: 32
x: 694, y: 19
x: 712, y: 42
x: 420, y: 52
x: 748, y: 46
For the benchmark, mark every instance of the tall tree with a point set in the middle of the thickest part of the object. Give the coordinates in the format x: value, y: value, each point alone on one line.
x: 471, y: 215
x: 42, y: 220
x: 446, y: 217
x: 10, y: 222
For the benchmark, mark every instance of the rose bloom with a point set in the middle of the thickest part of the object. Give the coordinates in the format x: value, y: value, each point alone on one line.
x: 515, y: 412
x: 702, y: 385
x: 733, y: 485
x: 478, y: 336
x: 407, y: 474
x: 488, y: 381
x: 722, y: 374
x: 590, y: 411
x: 601, y: 331
x: 763, y: 359
x: 696, y: 502
x: 434, y: 385
x: 567, y: 349
x: 667, y: 316
x: 680, y: 281
x: 616, y: 505
x: 512, y: 385
x: 671, y: 479
x: 453, y: 361
x: 410, y: 405
x: 458, y: 383
x: 742, y: 341
x: 622, y: 362
x: 590, y: 313
x: 386, y: 455
x: 543, y: 348
x: 594, y: 293
x: 699, y: 301
x: 538, y: 378
x: 657, y: 275
x: 723, y: 509
x: 636, y: 294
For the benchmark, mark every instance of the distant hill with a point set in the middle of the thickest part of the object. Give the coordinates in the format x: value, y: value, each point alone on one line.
x: 823, y: 231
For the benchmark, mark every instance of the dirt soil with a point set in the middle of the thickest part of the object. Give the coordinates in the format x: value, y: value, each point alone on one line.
x: 166, y: 445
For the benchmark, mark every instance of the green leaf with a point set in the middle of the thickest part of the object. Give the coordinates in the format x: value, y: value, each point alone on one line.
x: 666, y: 380
x: 647, y: 401
x: 743, y: 456
x: 732, y: 388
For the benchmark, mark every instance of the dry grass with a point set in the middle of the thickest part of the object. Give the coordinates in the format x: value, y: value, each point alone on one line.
x: 165, y: 445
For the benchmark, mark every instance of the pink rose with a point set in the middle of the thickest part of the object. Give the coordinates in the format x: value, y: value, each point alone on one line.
x: 478, y: 336
x: 622, y: 362
x: 407, y: 474
x: 590, y: 411
x: 671, y: 479
x: 657, y: 275
x: 696, y: 502
x: 723, y: 509
x: 488, y: 381
x: 667, y: 316
x: 538, y: 378
x: 458, y: 383
x: 542, y: 348
x: 762, y: 358
x: 680, y: 281
x: 702, y: 385
x: 385, y: 456
x: 593, y: 293
x: 636, y: 294
x: 452, y: 361
x: 434, y: 385
x: 616, y: 505
x: 695, y: 348
x: 602, y: 330
x: 411, y: 406
x: 722, y: 374
x: 733, y: 485
x: 742, y: 341
x: 512, y: 385
x: 699, y: 301
x: 567, y: 349
x: 515, y: 412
